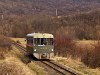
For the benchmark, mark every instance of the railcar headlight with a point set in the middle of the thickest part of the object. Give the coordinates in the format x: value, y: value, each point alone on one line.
x: 35, y: 50
x: 52, y: 50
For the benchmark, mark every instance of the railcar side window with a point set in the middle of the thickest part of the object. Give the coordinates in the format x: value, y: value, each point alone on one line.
x: 30, y: 40
x: 52, y: 41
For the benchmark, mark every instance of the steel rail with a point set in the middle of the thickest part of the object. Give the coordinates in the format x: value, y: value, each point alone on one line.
x: 20, y: 46
x: 58, y: 68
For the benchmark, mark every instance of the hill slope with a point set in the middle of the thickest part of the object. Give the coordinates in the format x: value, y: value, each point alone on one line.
x: 20, y: 7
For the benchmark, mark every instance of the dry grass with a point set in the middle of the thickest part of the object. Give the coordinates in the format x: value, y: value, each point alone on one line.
x: 13, y: 66
x: 5, y: 46
x: 78, y: 66
x: 18, y: 54
x: 16, y: 63
x: 34, y: 67
x: 3, y: 52
x: 22, y: 41
x: 84, y: 43
x: 39, y: 70
x: 89, y: 52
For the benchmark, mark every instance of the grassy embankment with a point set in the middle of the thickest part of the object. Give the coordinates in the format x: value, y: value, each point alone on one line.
x: 14, y: 62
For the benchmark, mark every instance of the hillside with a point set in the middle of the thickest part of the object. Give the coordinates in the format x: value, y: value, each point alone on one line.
x: 81, y: 26
x: 65, y: 7
x: 25, y: 16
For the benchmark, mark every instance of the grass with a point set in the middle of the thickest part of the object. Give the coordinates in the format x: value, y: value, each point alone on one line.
x: 22, y: 41
x: 16, y: 63
x: 13, y: 66
x: 78, y: 66
x: 39, y: 70
x: 84, y: 43
x: 2, y: 53
x: 34, y: 67
x: 18, y: 54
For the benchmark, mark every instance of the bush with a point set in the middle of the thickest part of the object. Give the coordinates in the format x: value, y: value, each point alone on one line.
x: 64, y: 46
x: 92, y: 57
x: 5, y: 46
x: 5, y: 43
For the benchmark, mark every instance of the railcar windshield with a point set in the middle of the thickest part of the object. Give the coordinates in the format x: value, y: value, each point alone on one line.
x: 43, y: 41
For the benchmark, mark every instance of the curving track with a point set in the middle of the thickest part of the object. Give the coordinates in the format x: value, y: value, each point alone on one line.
x: 50, y: 65
x: 57, y: 68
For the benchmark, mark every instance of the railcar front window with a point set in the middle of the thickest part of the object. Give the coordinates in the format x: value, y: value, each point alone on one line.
x: 37, y: 41
x: 49, y: 41
x: 43, y: 41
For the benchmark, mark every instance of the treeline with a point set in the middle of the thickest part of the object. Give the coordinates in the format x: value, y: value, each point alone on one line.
x: 19, y: 26
x: 82, y: 26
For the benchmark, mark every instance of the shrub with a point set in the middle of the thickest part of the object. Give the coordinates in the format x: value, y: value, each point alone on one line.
x: 5, y: 45
x: 92, y: 57
x: 64, y: 46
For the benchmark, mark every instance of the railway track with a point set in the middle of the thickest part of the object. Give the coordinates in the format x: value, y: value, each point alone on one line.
x: 59, y: 69
x: 20, y: 47
x: 49, y: 64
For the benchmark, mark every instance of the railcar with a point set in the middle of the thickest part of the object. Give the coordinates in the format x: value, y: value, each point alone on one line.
x: 40, y: 45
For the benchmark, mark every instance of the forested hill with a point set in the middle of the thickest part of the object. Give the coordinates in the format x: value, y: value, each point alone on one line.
x: 65, y: 7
